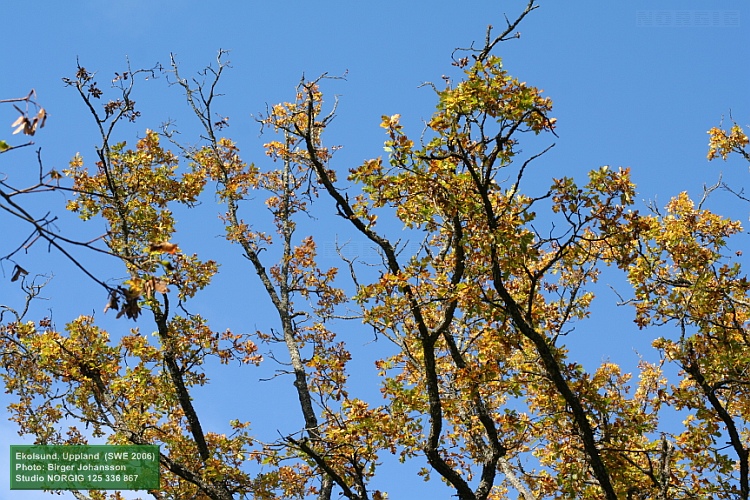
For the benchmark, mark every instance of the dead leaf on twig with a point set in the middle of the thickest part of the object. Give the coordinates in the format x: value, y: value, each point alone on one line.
x: 18, y: 271
x: 29, y: 125
x: 112, y: 302
x: 154, y: 286
x: 131, y: 308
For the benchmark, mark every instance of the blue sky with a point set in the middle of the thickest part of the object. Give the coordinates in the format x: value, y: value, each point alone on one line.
x: 635, y: 83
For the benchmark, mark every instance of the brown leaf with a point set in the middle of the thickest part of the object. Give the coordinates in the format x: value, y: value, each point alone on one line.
x: 19, y: 120
x: 154, y: 285
x: 160, y: 286
x: 18, y: 271
x: 130, y: 309
x: 21, y: 123
x: 112, y: 303
x: 31, y: 129
x: 41, y: 117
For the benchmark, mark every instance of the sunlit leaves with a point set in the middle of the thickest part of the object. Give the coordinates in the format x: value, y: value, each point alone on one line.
x: 676, y: 261
x: 488, y: 89
x: 476, y: 376
x: 721, y: 142
x: 132, y: 190
x: 223, y: 164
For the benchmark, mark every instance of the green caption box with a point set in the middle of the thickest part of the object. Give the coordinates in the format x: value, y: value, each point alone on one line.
x: 84, y: 467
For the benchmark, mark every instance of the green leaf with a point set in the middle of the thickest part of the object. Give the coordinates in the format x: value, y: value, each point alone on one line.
x: 4, y: 146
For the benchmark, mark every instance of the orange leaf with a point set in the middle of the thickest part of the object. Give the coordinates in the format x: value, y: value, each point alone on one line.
x: 163, y: 247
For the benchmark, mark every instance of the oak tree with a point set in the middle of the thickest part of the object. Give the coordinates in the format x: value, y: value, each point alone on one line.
x: 478, y: 385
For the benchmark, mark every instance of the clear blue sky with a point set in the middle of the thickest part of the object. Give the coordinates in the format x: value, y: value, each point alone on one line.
x: 635, y: 83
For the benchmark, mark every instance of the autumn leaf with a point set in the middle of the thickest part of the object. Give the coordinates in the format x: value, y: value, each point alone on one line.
x: 112, y: 302
x: 131, y: 308
x: 29, y: 126
x: 41, y: 117
x: 18, y: 271
x: 154, y: 285
x: 477, y: 313
x: 21, y: 124
x: 163, y: 247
